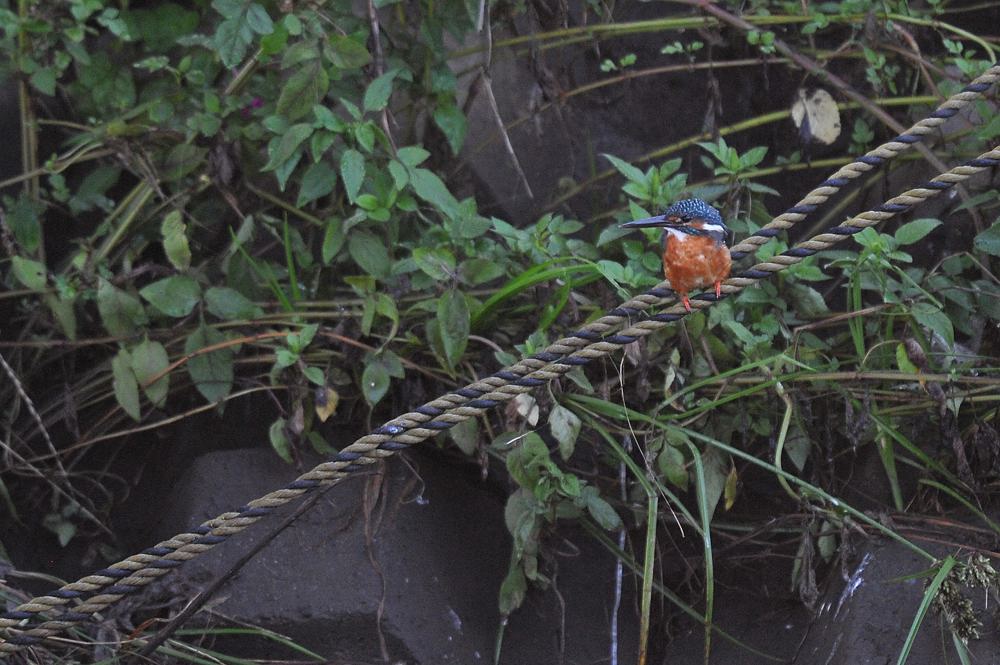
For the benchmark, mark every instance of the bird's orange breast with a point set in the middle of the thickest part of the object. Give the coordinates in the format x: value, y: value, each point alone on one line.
x: 693, y: 262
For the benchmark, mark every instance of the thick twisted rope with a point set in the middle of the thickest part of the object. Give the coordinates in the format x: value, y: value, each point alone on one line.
x: 107, y: 586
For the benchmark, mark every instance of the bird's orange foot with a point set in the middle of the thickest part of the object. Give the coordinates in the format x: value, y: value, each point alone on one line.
x: 685, y: 302
x: 718, y: 290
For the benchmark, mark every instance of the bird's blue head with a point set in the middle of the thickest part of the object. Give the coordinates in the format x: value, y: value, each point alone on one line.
x: 681, y: 213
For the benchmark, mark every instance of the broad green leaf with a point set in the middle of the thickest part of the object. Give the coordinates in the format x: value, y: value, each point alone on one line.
x: 64, y: 313
x: 347, y: 52
x: 428, y: 186
x: 716, y: 468
x: 281, y: 151
x: 601, y: 510
x: 174, y: 296
x: 181, y: 160
x: 797, y: 446
x: 453, y: 322
x: 235, y: 34
x: 303, y: 89
x: 29, y: 272
x: 23, y: 219
x: 258, y: 19
x: 212, y: 372
x: 412, y: 155
x: 121, y: 312
x: 149, y: 359
x: 352, y: 172
x: 989, y: 240
x: 369, y: 253
x: 565, y: 427
x: 903, y: 360
x: 931, y: 317
x: 279, y: 440
x: 452, y: 123
x: 124, y: 383
x: 466, y: 435
x: 175, y: 243
x: 670, y: 461
x: 229, y: 304
x: 317, y: 181
x: 374, y: 382
x: 299, y: 53
x: 438, y: 263
x: 63, y: 528
x: 626, y: 169
x: 333, y: 239
x: 479, y: 271
x: 512, y: 590
x: 911, y: 232
x: 231, y: 40
x: 44, y: 80
x: 379, y: 90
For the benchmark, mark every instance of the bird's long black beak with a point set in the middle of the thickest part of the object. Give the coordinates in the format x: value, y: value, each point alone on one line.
x: 658, y: 221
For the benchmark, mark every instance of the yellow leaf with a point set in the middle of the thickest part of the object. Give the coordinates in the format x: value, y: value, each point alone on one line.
x: 326, y: 403
x: 732, y: 486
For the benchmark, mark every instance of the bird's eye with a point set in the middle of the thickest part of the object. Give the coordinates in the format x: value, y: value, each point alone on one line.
x: 686, y: 219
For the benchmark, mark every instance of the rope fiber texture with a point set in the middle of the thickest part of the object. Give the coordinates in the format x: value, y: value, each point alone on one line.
x: 25, y: 625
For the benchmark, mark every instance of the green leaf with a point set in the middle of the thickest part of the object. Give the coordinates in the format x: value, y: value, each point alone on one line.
x: 716, y: 467
x: 64, y: 313
x: 466, y: 436
x: 315, y: 376
x: 211, y: 372
x: 235, y: 34
x: 911, y: 232
x: 175, y: 243
x: 903, y: 360
x: 279, y: 440
x: 453, y: 322
x: 798, y: 445
x: 670, y: 461
x: 29, y: 272
x: 317, y: 181
x: 352, y: 172
x: 231, y: 40
x: 229, y: 304
x: 347, y: 52
x: 379, y: 90
x: 479, y: 271
x: 428, y: 186
x: 124, y: 383
x: 412, y: 155
x: 303, y: 89
x: 374, y: 382
x: 23, y: 218
x: 44, y: 80
x: 512, y: 590
x: 370, y: 254
x: 630, y: 172
x: 149, y: 359
x: 333, y: 239
x: 565, y: 427
x: 437, y: 263
x: 121, y: 312
x: 258, y: 19
x: 989, y: 240
x: 601, y: 510
x: 281, y: 151
x: 174, y: 296
x: 181, y: 160
x: 931, y: 317
x: 452, y: 123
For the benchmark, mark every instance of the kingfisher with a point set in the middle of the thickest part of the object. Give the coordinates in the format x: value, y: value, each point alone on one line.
x: 695, y: 253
